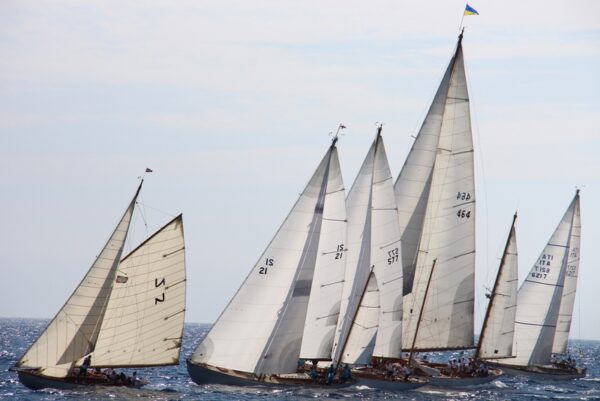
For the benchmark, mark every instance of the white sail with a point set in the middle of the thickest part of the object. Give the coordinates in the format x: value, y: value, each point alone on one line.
x: 413, y: 184
x: 496, y: 340
x: 361, y: 340
x: 539, y: 297
x: 448, y: 233
x: 143, y: 323
x: 372, y: 325
x: 261, y: 328
x: 565, y: 314
x: 328, y: 279
x: 74, y: 330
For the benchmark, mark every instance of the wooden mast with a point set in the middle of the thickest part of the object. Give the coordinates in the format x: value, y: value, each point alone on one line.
x: 412, y: 348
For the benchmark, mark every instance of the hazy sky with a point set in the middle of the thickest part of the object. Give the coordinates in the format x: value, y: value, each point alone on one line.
x: 231, y: 102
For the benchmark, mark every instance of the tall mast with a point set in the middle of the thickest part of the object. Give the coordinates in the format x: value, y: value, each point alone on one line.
x: 496, y: 283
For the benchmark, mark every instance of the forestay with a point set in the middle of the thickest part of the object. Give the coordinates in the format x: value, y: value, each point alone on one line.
x: 261, y: 328
x: 540, y: 296
x: 371, y: 321
x: 497, y: 334
x: 565, y: 314
x: 448, y: 233
x: 74, y: 330
x: 143, y: 323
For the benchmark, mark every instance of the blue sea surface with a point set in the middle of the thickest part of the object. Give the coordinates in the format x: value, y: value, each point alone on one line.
x: 173, y: 383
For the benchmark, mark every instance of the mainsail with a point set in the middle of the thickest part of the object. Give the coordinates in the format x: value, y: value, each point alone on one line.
x: 565, y: 314
x: 260, y: 330
x: 371, y: 312
x: 497, y: 333
x: 445, y: 191
x: 143, y: 323
x: 74, y: 331
x: 539, y: 298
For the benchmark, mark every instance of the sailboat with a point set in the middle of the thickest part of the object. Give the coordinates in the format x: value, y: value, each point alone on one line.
x: 125, y: 313
x: 370, y: 324
x: 435, y: 193
x: 288, y: 306
x: 545, y: 306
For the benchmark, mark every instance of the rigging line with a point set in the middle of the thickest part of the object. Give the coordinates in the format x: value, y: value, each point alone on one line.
x: 481, y: 165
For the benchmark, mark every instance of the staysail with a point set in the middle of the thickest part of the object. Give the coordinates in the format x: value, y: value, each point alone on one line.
x: 74, y: 331
x: 497, y: 333
x: 540, y: 295
x: 371, y: 313
x: 565, y: 314
x: 143, y: 323
x: 448, y: 227
x: 261, y: 328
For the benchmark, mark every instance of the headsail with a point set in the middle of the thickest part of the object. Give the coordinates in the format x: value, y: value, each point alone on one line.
x: 74, y: 330
x: 371, y: 313
x: 261, y: 328
x: 497, y: 333
x: 448, y: 229
x: 143, y: 323
x: 540, y: 295
x: 565, y: 314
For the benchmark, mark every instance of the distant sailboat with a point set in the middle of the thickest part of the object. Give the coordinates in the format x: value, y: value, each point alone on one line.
x: 545, y: 305
x: 125, y: 313
x: 288, y: 306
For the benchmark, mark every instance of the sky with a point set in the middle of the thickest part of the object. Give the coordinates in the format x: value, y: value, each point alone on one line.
x: 231, y: 104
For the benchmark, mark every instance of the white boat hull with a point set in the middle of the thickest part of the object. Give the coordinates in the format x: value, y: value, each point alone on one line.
x: 459, y: 382
x: 541, y: 372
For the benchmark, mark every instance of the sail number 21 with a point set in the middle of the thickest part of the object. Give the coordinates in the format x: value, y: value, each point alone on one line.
x: 264, y: 269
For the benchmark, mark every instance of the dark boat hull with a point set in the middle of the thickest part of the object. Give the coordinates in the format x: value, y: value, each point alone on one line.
x: 36, y: 381
x: 206, y: 374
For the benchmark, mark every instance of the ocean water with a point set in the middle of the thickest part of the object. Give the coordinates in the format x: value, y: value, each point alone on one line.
x: 173, y: 383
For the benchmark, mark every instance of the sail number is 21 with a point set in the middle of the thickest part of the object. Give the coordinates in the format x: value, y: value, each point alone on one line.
x: 264, y: 269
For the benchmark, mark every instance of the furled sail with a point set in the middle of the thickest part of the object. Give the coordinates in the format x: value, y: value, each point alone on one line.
x: 143, y: 323
x: 565, y: 314
x: 497, y: 333
x: 371, y: 322
x: 74, y: 330
x: 540, y: 295
x: 261, y: 328
x: 448, y: 232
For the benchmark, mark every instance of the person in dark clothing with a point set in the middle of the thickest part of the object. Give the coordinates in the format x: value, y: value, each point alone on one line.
x: 84, y: 367
x: 330, y: 374
x: 346, y: 374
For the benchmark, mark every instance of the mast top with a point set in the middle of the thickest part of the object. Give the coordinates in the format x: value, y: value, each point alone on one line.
x: 462, y: 31
x: 379, y: 130
x: 337, y: 134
